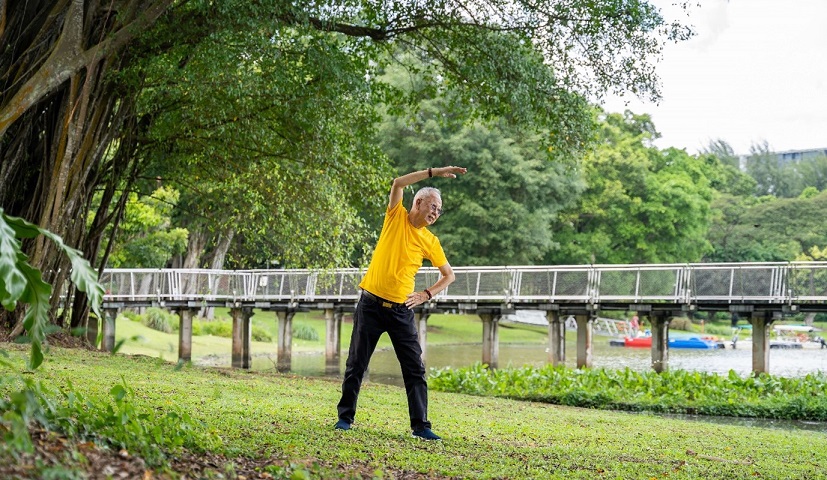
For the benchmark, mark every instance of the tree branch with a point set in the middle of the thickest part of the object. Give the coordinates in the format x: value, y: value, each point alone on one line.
x: 67, y: 59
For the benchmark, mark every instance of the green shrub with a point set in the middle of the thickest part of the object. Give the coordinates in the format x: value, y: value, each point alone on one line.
x: 216, y: 328
x: 680, y: 323
x: 159, y: 319
x: 117, y: 423
x: 134, y: 316
x: 673, y: 391
x: 720, y: 330
x: 224, y: 329
x: 305, y: 332
x: 259, y: 334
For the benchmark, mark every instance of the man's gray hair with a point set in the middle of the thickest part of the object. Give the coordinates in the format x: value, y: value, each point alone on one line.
x: 425, y: 192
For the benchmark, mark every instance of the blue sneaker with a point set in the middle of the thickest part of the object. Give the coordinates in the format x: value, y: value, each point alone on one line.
x: 426, y: 434
x: 341, y: 425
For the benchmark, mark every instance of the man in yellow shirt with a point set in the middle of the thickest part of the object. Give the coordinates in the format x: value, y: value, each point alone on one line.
x: 388, y: 299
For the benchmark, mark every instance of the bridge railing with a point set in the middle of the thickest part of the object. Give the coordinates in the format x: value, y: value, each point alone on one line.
x: 640, y: 283
x: 759, y: 282
x: 807, y: 281
x: 174, y: 284
x: 668, y: 283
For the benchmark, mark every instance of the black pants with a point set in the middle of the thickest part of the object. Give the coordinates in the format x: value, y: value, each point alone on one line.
x: 370, y: 321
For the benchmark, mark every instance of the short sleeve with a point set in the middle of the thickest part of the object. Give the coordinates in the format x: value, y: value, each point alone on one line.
x: 436, y: 255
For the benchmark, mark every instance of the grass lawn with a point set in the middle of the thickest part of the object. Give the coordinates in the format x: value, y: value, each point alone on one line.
x: 281, y: 419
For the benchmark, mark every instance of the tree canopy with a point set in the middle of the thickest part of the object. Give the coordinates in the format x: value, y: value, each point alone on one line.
x: 262, y: 113
x: 640, y: 205
x: 502, y: 212
x: 767, y: 229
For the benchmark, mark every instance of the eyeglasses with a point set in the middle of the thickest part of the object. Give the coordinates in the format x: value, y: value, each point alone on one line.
x: 437, y: 210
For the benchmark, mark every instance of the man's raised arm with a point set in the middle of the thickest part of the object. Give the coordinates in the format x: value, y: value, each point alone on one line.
x: 399, y: 183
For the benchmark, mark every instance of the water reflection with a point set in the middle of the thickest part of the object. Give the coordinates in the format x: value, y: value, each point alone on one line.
x: 752, y: 422
x: 384, y: 367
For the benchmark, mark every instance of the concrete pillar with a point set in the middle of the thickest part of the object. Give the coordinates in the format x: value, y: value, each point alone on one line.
x: 333, y: 343
x: 241, y: 336
x: 108, y: 342
x: 660, y: 341
x: 185, y: 334
x: 421, y: 320
x: 490, y: 339
x: 760, y: 342
x: 584, y: 340
x: 556, y: 338
x: 92, y: 328
x: 285, y: 358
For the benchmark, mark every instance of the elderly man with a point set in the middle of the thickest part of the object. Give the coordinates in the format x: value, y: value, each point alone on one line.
x: 388, y: 297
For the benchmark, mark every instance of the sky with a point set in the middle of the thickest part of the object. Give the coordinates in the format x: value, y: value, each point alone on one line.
x: 756, y: 71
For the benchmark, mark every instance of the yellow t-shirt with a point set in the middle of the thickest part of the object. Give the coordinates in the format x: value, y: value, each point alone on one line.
x: 398, y: 256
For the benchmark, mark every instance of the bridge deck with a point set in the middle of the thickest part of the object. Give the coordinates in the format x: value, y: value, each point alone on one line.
x: 762, y: 291
x: 784, y: 286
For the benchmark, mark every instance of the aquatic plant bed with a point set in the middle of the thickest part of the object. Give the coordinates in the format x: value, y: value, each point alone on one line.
x: 674, y: 391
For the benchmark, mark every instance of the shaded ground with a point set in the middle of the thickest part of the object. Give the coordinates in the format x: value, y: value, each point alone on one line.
x: 58, y: 457
x: 58, y: 339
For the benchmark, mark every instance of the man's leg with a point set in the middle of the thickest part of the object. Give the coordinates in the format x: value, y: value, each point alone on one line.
x: 363, y: 339
x: 405, y: 339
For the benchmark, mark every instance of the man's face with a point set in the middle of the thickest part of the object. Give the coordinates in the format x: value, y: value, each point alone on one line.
x: 430, y: 208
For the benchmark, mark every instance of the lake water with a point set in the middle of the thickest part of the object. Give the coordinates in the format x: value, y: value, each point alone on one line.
x: 384, y: 367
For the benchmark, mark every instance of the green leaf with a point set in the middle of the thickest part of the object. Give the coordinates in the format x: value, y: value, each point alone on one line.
x: 36, y: 294
x: 12, y: 281
x: 118, y: 392
x: 23, y: 282
x: 83, y: 275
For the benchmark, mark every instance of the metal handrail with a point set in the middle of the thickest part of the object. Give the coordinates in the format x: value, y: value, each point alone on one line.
x: 771, y: 282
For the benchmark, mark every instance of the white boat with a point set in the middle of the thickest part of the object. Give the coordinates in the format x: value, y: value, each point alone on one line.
x: 797, y: 337
x: 785, y: 337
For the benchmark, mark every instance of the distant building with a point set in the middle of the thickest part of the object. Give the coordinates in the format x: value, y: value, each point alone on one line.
x: 788, y: 156
x: 795, y: 156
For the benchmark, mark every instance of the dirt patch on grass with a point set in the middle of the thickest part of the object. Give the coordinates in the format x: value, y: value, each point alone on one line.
x: 56, y: 456
x: 60, y: 338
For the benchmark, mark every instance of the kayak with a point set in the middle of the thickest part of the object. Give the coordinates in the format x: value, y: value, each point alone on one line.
x: 690, y: 342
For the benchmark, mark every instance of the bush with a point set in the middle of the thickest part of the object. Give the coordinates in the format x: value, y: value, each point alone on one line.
x: 159, y: 319
x: 722, y: 330
x: 673, y: 391
x: 261, y: 335
x: 224, y: 329
x: 681, y: 323
x: 134, y: 316
x: 216, y: 328
x: 305, y: 332
x: 116, y: 422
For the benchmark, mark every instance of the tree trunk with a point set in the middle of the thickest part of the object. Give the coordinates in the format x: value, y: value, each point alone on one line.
x: 196, y: 243
x: 809, y: 319
x: 222, y: 246
x: 59, y: 114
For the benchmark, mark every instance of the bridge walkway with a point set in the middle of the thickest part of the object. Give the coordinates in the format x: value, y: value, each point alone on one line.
x: 761, y: 292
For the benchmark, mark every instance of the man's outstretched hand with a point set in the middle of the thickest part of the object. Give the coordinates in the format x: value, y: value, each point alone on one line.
x: 449, y: 172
